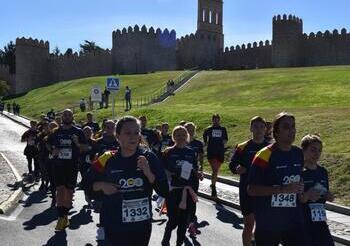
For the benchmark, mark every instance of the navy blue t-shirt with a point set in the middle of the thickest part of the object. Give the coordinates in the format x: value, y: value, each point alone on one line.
x: 174, y: 159
x: 274, y: 167
x: 130, y: 208
x: 62, y: 139
x: 243, y: 155
x: 106, y: 143
x: 197, y: 146
x: 215, y: 137
x: 318, y: 180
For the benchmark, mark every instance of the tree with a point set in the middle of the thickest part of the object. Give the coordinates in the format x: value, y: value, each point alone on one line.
x: 8, y: 56
x: 68, y: 52
x: 89, y: 46
x: 56, y: 51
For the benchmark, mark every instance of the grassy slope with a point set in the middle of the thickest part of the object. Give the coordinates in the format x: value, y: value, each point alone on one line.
x: 317, y: 96
x: 68, y: 93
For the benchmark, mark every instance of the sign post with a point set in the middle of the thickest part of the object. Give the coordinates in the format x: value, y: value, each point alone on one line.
x: 113, y: 85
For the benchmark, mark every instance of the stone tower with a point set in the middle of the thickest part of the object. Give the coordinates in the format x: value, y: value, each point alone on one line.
x: 287, y: 41
x: 32, y: 64
x: 210, y: 16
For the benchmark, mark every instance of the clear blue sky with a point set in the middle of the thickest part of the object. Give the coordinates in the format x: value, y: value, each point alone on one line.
x: 67, y: 23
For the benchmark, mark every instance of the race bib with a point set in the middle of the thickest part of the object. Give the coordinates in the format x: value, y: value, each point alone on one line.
x: 135, y: 210
x: 216, y: 133
x: 87, y: 159
x: 186, y: 169
x: 284, y: 200
x: 65, y: 154
x: 318, y: 212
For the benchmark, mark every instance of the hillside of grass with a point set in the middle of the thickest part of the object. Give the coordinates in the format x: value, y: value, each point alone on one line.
x: 319, y: 97
x: 68, y: 93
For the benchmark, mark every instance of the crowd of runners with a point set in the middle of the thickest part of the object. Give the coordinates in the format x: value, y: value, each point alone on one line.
x: 124, y: 165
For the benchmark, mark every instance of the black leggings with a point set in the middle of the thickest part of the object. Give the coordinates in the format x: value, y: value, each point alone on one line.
x: 30, y: 160
x: 138, y: 237
x: 177, y: 217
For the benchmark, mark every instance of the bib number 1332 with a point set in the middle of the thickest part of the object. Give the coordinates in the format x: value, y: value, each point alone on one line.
x: 136, y: 210
x: 284, y: 200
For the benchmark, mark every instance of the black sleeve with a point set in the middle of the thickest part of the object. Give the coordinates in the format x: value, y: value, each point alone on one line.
x: 235, y: 160
x: 160, y: 184
x: 205, y: 136
x: 224, y: 136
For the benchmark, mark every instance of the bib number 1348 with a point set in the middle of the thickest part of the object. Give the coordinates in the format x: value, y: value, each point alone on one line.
x: 284, y: 200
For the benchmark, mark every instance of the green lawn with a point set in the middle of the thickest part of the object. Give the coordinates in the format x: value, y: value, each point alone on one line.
x: 68, y: 93
x: 319, y: 97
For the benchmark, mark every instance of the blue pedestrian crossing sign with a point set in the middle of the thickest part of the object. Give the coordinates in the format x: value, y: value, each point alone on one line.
x: 112, y: 84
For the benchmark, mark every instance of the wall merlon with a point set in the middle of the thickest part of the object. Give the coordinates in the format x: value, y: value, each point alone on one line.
x: 32, y: 42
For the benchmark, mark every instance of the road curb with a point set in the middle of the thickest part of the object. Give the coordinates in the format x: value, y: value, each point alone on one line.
x: 8, y: 205
x: 17, y: 121
x: 329, y: 205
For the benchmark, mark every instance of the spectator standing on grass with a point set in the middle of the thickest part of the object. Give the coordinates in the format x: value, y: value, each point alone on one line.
x: 106, y: 97
x: 82, y: 105
x: 127, y: 98
x: 8, y: 107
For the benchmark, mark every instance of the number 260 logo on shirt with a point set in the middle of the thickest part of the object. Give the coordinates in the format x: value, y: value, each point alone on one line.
x: 130, y: 183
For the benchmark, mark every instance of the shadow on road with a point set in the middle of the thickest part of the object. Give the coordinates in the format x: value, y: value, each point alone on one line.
x: 35, y: 197
x: 227, y: 216
x: 82, y: 218
x: 42, y: 219
x: 59, y: 238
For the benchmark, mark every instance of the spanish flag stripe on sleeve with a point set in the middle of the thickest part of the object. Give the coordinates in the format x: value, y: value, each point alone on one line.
x: 240, y: 147
x: 100, y: 164
x: 262, y: 158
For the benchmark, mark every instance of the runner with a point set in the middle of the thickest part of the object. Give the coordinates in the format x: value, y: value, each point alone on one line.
x: 166, y: 140
x: 66, y: 143
x: 87, y: 157
x: 50, y: 163
x: 198, y: 148
x: 275, y: 180
x: 108, y: 141
x: 316, y: 193
x: 91, y: 123
x: 43, y: 155
x: 181, y: 162
x: 268, y: 134
x: 240, y: 164
x: 126, y: 178
x: 31, y: 150
x: 215, y: 137
x: 149, y: 135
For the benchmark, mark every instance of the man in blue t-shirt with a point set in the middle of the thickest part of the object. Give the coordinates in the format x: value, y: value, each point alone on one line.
x: 240, y: 164
x: 275, y: 182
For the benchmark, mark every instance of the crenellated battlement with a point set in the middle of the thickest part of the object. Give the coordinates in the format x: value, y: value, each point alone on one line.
x: 287, y: 19
x: 335, y: 34
x: 136, y: 31
x: 80, y: 55
x: 190, y: 39
x: 32, y: 42
x: 243, y: 47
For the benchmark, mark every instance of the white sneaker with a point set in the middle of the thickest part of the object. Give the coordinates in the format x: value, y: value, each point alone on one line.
x: 100, y: 234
